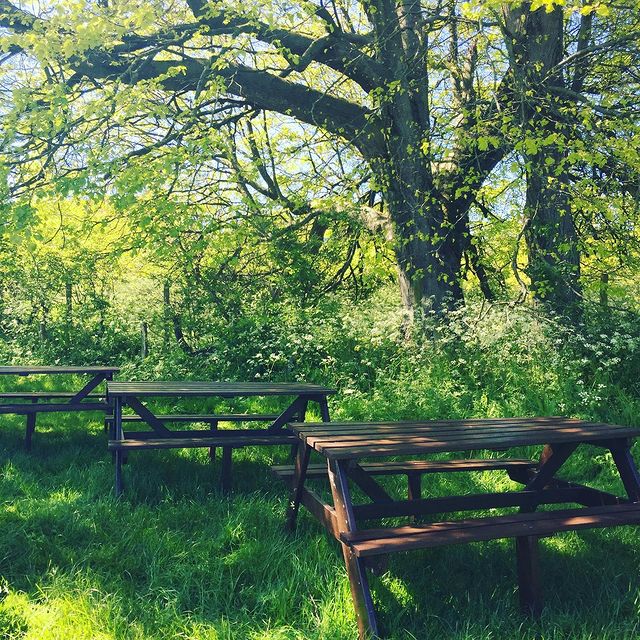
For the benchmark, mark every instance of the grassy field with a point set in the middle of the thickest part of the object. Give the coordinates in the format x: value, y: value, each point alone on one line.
x: 175, y: 559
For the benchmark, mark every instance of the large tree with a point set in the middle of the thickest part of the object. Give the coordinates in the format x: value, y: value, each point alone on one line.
x: 430, y: 95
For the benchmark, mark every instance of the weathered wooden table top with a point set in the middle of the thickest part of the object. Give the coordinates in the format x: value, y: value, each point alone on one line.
x: 221, y: 389
x: 34, y: 370
x: 354, y: 440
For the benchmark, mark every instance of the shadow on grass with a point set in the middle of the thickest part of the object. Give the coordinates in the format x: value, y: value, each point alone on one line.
x: 175, y: 558
x: 590, y: 590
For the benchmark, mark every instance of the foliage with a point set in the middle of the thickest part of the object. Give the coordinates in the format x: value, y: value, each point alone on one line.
x: 175, y: 558
x: 165, y: 210
x: 301, y: 123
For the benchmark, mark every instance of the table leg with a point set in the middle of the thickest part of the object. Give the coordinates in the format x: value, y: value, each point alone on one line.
x: 118, y: 475
x: 108, y: 414
x: 117, y: 435
x: 324, y: 409
x: 225, y: 474
x: 300, y: 418
x: 529, y: 585
x: 213, y: 426
x: 356, y: 567
x: 628, y: 471
x: 414, y: 490
x: 414, y: 486
x: 302, y: 462
x: 31, y: 427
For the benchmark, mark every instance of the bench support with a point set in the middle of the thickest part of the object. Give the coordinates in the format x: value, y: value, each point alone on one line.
x: 118, y: 455
x: 30, y: 429
x: 225, y: 472
x: 213, y: 427
x: 302, y: 463
x: 356, y: 568
x: 529, y: 584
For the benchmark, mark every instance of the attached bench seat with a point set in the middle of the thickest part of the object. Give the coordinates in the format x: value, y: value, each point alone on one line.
x: 43, y: 395
x: 30, y: 403
x: 232, y: 440
x: 372, y: 542
x: 215, y: 418
x: 226, y: 439
x: 418, y: 467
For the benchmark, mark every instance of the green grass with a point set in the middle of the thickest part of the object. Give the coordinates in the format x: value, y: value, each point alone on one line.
x: 176, y: 559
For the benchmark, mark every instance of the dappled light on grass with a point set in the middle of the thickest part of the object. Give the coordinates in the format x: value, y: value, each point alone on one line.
x: 174, y: 558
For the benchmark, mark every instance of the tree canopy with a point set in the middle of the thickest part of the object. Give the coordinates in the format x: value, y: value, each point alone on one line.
x: 469, y: 145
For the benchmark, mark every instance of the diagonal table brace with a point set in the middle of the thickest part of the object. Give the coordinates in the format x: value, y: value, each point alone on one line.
x: 627, y: 469
x: 367, y: 484
x: 552, y: 459
x: 90, y: 386
x: 152, y: 420
x: 290, y: 414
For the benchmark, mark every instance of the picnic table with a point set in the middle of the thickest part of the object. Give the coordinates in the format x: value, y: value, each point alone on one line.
x: 30, y: 403
x: 346, y: 447
x: 159, y: 435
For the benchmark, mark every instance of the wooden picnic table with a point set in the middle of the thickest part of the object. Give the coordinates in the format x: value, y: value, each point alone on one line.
x: 30, y: 403
x: 135, y: 395
x: 346, y: 447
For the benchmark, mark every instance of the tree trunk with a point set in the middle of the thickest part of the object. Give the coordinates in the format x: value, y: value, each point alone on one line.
x: 550, y: 234
x: 537, y: 47
x: 144, y: 343
x: 174, y: 321
x: 428, y: 250
x: 429, y: 265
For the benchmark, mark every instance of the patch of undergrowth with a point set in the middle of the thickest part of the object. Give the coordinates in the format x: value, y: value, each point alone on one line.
x: 176, y: 559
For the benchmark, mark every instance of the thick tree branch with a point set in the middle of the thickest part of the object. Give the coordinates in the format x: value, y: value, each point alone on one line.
x: 15, y: 19
x: 261, y: 89
x: 339, y: 51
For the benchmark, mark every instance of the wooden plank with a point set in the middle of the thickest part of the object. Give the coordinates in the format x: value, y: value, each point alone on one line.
x: 414, y: 446
x: 454, y: 432
x: 324, y: 512
x: 410, y: 428
x: 454, y: 436
x: 60, y: 407
x: 41, y: 370
x: 419, y: 466
x: 222, y: 434
x: 337, y: 428
x: 375, y: 542
x: 220, y: 389
x: 195, y: 417
x: 210, y: 441
x: 468, y: 523
x: 471, y: 502
x: 29, y: 395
